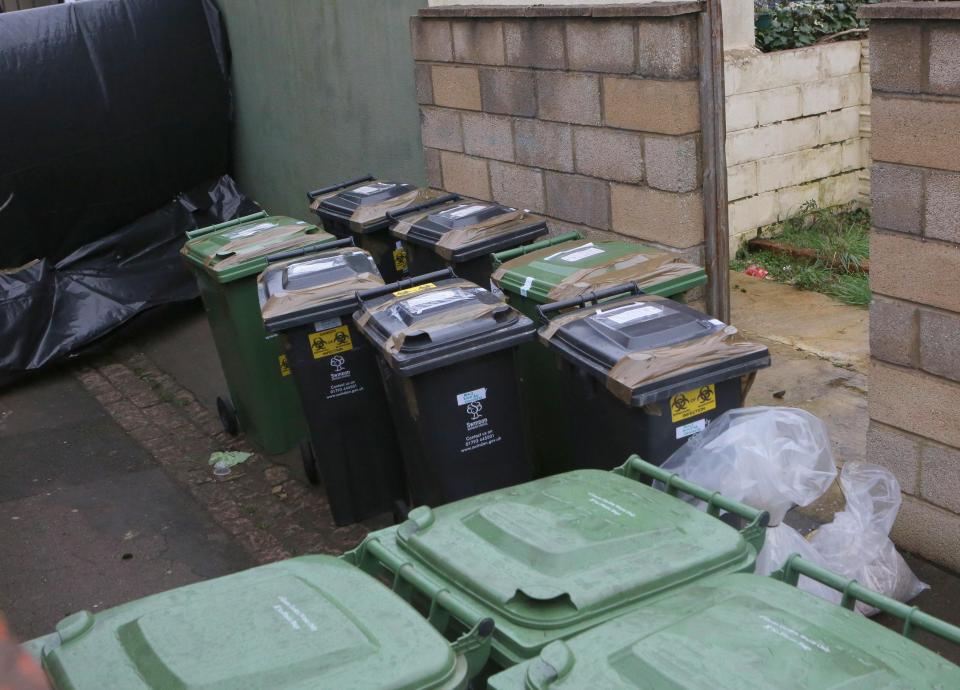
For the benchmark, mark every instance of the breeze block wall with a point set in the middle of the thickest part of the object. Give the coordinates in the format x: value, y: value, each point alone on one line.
x: 589, y: 115
x: 914, y: 397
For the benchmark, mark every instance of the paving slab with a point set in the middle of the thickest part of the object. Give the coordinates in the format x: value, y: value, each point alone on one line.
x: 87, y: 518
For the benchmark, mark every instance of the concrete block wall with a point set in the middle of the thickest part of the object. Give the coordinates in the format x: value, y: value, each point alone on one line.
x: 914, y: 398
x: 588, y: 116
x: 794, y: 132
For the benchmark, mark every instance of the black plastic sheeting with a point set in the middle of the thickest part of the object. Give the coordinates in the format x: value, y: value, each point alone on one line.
x: 108, y: 109
x: 48, y: 310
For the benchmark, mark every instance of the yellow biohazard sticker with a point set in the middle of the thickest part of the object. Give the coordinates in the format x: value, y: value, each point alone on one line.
x: 693, y: 403
x: 413, y: 290
x: 400, y: 259
x: 330, y: 342
x: 284, y: 365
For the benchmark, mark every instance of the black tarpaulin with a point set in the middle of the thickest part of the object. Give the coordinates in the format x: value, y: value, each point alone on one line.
x: 108, y: 109
x: 48, y: 310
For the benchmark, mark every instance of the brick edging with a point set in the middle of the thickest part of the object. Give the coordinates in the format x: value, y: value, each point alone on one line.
x: 480, y: 11
x: 269, y: 513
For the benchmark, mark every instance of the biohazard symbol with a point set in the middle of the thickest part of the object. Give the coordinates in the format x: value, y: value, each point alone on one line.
x: 330, y: 342
x: 693, y: 403
x: 679, y: 402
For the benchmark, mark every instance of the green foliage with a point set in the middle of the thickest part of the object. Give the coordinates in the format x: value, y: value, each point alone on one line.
x: 841, y: 240
x: 784, y: 24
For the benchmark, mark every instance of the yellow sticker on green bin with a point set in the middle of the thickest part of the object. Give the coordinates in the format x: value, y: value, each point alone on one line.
x: 693, y: 402
x: 284, y: 365
x: 413, y: 290
x: 330, y: 342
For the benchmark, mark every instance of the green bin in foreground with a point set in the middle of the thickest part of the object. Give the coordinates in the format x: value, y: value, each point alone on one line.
x: 745, y: 632
x: 562, y: 268
x: 551, y: 558
x: 301, y: 624
x: 226, y: 259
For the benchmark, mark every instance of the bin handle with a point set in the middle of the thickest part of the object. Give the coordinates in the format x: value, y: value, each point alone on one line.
x: 430, y: 203
x: 587, y: 297
x: 635, y: 467
x: 313, y: 194
x: 364, y: 295
x: 507, y: 254
x: 853, y: 592
x: 310, y: 249
x: 220, y: 226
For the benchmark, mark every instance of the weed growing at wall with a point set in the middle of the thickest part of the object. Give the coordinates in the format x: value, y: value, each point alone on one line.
x: 784, y: 24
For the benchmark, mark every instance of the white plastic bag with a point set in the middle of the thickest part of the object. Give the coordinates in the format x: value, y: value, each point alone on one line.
x: 857, y: 544
x: 779, y: 544
x: 771, y: 458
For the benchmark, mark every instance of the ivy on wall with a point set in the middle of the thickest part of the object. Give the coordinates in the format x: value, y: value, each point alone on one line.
x: 784, y: 24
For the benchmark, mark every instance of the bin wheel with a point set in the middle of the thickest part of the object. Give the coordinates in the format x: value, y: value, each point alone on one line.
x: 400, y: 511
x: 309, y: 460
x: 228, y: 416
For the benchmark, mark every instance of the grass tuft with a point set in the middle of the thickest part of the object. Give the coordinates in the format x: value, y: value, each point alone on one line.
x: 841, y: 240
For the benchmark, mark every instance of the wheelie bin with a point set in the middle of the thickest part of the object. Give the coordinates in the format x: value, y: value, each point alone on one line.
x: 643, y: 373
x: 445, y: 348
x: 746, y: 632
x: 308, y: 622
x: 309, y: 299
x: 561, y: 268
x: 226, y: 259
x: 554, y: 557
x: 461, y: 234
x: 357, y: 208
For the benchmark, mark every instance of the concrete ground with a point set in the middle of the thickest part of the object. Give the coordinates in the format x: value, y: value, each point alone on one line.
x: 106, y: 494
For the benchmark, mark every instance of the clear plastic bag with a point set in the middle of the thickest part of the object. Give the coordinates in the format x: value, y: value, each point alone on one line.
x: 857, y: 543
x: 779, y: 544
x: 770, y: 458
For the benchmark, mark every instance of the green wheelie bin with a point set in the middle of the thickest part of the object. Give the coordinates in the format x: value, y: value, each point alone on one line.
x: 358, y: 208
x: 554, y: 557
x: 300, y: 624
x: 642, y: 373
x: 565, y: 267
x: 226, y: 259
x: 746, y: 632
x: 461, y: 234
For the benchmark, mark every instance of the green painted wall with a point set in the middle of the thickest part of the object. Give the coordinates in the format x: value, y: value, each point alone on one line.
x: 324, y: 92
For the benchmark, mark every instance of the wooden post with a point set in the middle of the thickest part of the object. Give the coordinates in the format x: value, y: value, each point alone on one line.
x: 714, y: 130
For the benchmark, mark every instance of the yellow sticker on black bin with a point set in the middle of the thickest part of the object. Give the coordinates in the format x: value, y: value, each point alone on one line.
x: 693, y: 402
x: 400, y: 259
x: 413, y: 290
x: 284, y: 365
x: 330, y: 342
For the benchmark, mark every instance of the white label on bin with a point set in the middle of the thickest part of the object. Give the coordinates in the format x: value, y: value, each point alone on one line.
x: 526, y: 286
x: 249, y: 232
x: 718, y: 322
x: 316, y: 266
x: 692, y: 428
x: 462, y: 210
x: 630, y: 315
x: 581, y: 254
x: 368, y: 189
x: 326, y: 325
x: 471, y: 396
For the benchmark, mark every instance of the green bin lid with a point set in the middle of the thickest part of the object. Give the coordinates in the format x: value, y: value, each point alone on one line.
x: 309, y: 622
x: 572, y: 268
x: 735, y: 632
x: 236, y: 251
x: 552, y: 557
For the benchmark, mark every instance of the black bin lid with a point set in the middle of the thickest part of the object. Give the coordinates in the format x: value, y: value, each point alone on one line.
x: 597, y: 338
x: 315, y: 287
x: 344, y: 205
x: 438, y: 324
x: 464, y: 230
